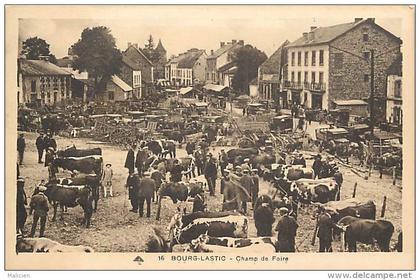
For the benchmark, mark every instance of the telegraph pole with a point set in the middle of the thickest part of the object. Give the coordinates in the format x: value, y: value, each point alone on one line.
x: 372, y: 91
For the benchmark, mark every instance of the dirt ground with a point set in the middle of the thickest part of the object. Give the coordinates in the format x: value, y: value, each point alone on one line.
x: 115, y: 229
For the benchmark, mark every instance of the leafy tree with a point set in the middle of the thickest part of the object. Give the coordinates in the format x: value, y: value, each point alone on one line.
x: 97, y: 54
x: 248, y: 59
x: 35, y: 47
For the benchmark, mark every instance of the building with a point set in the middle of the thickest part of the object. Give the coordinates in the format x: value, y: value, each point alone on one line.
x: 187, y: 69
x: 394, y: 112
x: 41, y: 82
x: 220, y: 64
x: 253, y: 88
x: 332, y: 63
x: 116, y: 89
x: 137, y: 71
x: 270, y: 74
x: 160, y: 64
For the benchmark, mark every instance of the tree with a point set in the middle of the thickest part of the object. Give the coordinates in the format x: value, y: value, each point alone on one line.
x: 247, y: 59
x: 97, y: 54
x: 150, y: 51
x: 35, y: 47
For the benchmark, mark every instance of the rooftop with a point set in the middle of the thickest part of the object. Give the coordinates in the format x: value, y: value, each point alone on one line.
x: 351, y: 102
x: 226, y: 47
x: 40, y: 67
x: 120, y: 83
x: 273, y: 63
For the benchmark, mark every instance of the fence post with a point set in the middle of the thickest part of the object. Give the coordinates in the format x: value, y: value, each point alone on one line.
x: 394, y: 175
x: 354, y: 190
x: 383, y: 207
x: 159, y: 207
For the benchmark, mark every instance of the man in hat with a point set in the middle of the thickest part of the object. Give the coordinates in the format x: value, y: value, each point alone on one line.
x: 133, y: 183
x: 338, y: 177
x: 286, y: 231
x: 325, y: 231
x: 39, y: 206
x: 223, y: 160
x: 210, y: 173
x: 21, y: 201
x: 21, y: 147
x: 255, y: 186
x: 129, y: 160
x: 107, y: 175
x: 49, y: 142
x: 299, y: 160
x: 246, y: 165
x: 199, y: 202
x: 141, y: 158
x: 176, y: 172
x: 246, y: 182
x: 40, y: 146
x: 316, y: 166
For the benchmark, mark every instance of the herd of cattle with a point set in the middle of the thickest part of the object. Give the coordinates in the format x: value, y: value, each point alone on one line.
x: 227, y: 230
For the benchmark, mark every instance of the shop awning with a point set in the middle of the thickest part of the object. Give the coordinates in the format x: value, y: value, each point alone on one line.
x: 186, y: 90
x: 216, y: 88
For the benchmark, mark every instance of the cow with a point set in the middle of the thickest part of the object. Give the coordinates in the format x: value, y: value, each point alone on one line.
x: 309, y: 190
x: 46, y: 245
x: 208, y: 244
x: 175, y: 191
x: 74, y: 152
x: 241, y: 153
x: 85, y: 165
x: 169, y: 147
x: 296, y: 172
x: 234, y: 196
x: 91, y: 181
x: 264, y: 219
x: 363, y: 211
x: 226, y: 226
x: 365, y: 231
x: 156, y: 242
x: 70, y: 196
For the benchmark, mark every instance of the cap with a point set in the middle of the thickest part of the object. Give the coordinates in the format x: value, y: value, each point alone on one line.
x: 146, y: 173
x: 246, y: 160
x: 108, y: 164
x: 42, y: 188
x: 284, y: 209
x: 254, y: 170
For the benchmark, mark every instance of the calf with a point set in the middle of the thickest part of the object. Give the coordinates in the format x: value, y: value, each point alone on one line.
x: 91, y: 181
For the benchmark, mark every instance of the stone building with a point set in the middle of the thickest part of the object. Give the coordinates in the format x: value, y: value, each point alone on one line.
x: 116, y: 90
x: 329, y: 64
x: 394, y: 111
x: 41, y: 82
x: 220, y: 65
x: 187, y: 69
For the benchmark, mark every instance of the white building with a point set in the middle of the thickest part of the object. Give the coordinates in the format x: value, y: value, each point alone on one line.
x: 394, y: 112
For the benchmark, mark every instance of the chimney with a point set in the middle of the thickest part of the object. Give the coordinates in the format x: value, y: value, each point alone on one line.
x: 241, y: 42
x: 233, y: 41
x: 305, y: 36
x: 222, y: 44
x: 211, y: 52
x: 136, y: 45
x: 313, y: 28
x: 358, y: 19
x: 44, y: 57
x: 311, y: 36
x: 128, y: 44
x: 372, y: 19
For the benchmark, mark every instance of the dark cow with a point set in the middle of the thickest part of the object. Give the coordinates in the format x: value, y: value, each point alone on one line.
x: 146, y: 191
x: 209, y: 244
x: 261, y: 160
x: 175, y: 191
x: 70, y: 196
x: 264, y: 219
x: 243, y: 153
x: 85, y: 165
x: 169, y: 147
x: 366, y: 231
x: 363, y: 211
x: 74, y: 152
x: 156, y: 147
x: 226, y: 226
x: 156, y: 242
x: 91, y: 181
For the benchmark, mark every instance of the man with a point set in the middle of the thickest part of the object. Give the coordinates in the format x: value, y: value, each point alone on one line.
x: 21, y: 201
x: 39, y: 205
x: 338, y: 177
x: 247, y: 183
x: 40, y: 146
x: 316, y: 166
x: 49, y: 142
x: 255, y: 186
x: 190, y: 147
x: 199, y: 163
x: 141, y: 157
x: 199, y: 203
x: 133, y: 183
x: 325, y: 231
x: 246, y: 165
x: 286, y: 231
x: 107, y: 175
x: 210, y: 173
x: 223, y: 160
x: 299, y: 160
x: 176, y: 172
x: 129, y: 160
x: 145, y: 185
x: 21, y: 147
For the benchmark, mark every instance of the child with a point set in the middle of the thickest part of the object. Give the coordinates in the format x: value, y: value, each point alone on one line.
x: 107, y: 179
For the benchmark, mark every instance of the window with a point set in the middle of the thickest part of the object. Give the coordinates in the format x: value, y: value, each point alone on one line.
x: 313, y: 77
x: 397, y: 89
x: 293, y: 59
x: 321, y: 77
x: 321, y: 57
x: 305, y: 77
x: 299, y: 77
x: 313, y: 58
x: 299, y: 58
x: 110, y: 95
x: 306, y: 58
x: 33, y: 86
x: 366, y: 55
x: 365, y: 37
x: 338, y: 60
x: 366, y: 78
x: 293, y: 77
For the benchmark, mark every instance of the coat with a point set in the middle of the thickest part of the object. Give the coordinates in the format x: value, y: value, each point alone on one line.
x: 40, y: 143
x: 325, y: 227
x: 141, y: 157
x: 21, y: 144
x: 198, y: 204
x: 133, y: 183
x: 286, y: 228
x: 39, y: 203
x: 247, y: 182
x: 210, y: 170
x: 338, y: 177
x: 129, y: 160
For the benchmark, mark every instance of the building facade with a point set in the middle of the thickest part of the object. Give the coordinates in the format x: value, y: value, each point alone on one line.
x: 220, y: 66
x: 394, y: 108
x: 187, y: 68
x: 333, y: 63
x: 116, y: 90
x: 42, y: 83
x: 160, y: 64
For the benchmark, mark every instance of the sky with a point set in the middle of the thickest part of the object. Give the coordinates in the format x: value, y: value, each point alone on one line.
x: 181, y: 29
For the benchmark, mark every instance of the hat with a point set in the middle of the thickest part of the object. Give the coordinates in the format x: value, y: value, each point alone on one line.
x: 108, y: 164
x: 245, y: 170
x: 284, y: 209
x: 21, y: 179
x: 226, y: 170
x: 146, y: 173
x: 238, y: 167
x: 42, y: 188
x: 246, y: 160
x: 254, y: 170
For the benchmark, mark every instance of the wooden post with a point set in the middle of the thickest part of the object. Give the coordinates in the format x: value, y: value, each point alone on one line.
x: 394, y: 175
x: 370, y: 170
x: 159, y: 207
x: 315, y: 232
x: 383, y: 207
x: 354, y: 190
